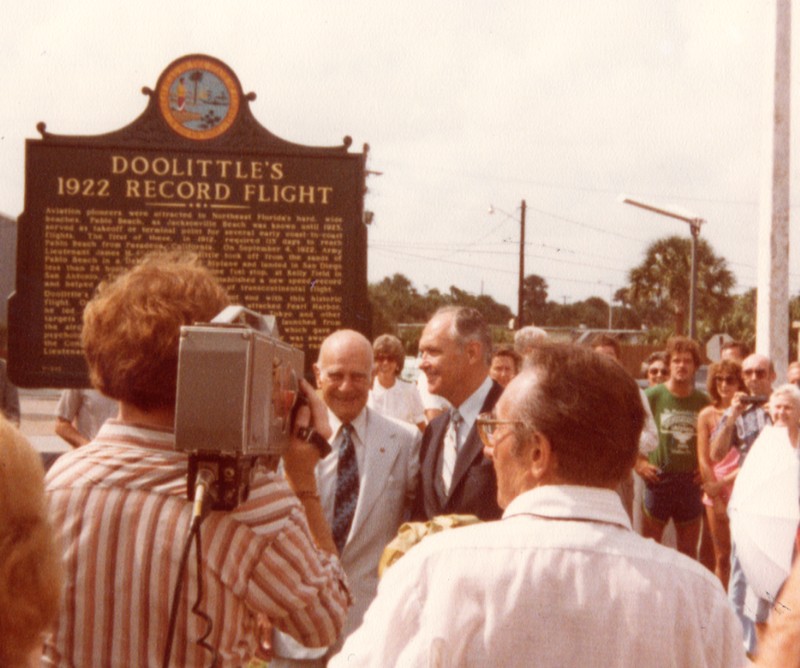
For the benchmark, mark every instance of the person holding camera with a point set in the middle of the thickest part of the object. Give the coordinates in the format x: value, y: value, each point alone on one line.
x: 120, y: 504
x: 739, y: 427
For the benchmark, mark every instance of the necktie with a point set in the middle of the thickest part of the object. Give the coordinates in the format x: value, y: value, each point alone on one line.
x: 450, y: 450
x: 346, y: 489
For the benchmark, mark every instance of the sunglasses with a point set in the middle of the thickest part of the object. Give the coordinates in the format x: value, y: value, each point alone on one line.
x: 758, y: 373
x: 657, y: 371
x: 730, y: 380
x: 487, y: 425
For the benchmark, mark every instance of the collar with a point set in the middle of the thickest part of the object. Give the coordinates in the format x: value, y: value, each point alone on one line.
x: 470, y: 409
x: 359, y: 425
x: 570, y: 502
x: 128, y: 433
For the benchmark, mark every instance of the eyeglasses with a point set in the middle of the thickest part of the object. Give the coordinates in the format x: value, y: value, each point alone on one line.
x: 487, y: 425
x: 758, y: 373
x: 384, y: 358
x: 730, y: 380
x: 657, y: 371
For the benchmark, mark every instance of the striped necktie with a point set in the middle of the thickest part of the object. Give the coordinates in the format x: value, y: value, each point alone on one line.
x: 450, y: 450
x: 346, y: 489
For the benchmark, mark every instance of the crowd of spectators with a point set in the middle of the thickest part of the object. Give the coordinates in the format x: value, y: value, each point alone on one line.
x: 543, y: 436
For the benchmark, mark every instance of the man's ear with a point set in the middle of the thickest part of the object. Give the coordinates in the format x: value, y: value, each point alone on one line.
x: 540, y: 458
x: 317, y: 374
x: 474, y: 351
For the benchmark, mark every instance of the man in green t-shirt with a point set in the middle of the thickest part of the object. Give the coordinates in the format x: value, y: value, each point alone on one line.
x: 672, y: 488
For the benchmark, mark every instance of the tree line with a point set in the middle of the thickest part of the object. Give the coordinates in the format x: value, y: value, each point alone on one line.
x: 656, y: 300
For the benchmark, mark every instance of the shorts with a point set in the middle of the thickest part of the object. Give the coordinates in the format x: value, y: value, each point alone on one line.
x: 675, y: 496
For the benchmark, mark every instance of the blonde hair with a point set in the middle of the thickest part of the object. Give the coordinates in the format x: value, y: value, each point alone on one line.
x: 30, y: 564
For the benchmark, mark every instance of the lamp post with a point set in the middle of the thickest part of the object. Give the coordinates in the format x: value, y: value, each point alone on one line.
x: 520, y: 297
x: 694, y: 223
x: 520, y: 291
x: 610, y: 303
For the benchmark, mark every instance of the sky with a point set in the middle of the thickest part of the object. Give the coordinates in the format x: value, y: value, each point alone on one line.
x: 465, y: 105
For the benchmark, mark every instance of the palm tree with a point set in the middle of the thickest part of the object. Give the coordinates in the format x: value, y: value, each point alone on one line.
x: 196, y: 77
x: 659, y: 286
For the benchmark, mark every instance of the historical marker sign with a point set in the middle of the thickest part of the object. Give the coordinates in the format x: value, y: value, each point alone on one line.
x: 280, y: 224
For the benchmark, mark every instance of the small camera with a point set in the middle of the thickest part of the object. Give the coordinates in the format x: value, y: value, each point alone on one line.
x: 755, y: 399
x: 238, y: 384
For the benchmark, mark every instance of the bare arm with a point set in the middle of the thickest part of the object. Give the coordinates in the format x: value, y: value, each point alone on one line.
x: 705, y: 424
x: 66, y: 430
x: 299, y: 466
x: 649, y: 472
x: 723, y: 437
x: 9, y: 398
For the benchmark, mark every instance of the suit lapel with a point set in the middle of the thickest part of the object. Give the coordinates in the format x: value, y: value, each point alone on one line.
x: 380, y: 453
x: 473, y: 447
x: 430, y: 463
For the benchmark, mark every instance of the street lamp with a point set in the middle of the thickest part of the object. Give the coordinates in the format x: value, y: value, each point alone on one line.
x: 694, y: 225
x: 610, y: 303
x: 520, y: 313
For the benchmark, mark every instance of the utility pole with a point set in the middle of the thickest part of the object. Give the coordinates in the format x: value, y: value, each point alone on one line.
x: 521, y: 300
x: 521, y: 287
x: 772, y: 312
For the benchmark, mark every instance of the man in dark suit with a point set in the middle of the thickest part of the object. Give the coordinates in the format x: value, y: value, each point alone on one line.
x: 456, y: 349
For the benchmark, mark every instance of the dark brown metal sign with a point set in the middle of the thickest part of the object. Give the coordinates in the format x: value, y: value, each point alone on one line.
x: 280, y: 224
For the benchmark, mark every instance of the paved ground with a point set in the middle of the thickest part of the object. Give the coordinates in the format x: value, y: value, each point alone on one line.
x: 38, y: 409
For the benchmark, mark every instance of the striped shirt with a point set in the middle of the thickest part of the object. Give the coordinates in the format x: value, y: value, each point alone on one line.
x: 120, y: 506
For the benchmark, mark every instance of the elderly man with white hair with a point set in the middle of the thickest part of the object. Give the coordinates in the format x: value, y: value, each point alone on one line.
x: 527, y: 338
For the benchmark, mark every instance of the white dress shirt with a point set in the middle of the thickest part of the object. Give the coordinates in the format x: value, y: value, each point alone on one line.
x: 561, y: 580
x: 400, y: 401
x: 471, y: 408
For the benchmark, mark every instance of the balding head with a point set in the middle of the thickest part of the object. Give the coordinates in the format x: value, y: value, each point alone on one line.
x: 759, y: 374
x: 527, y: 338
x: 344, y: 373
x: 585, y: 404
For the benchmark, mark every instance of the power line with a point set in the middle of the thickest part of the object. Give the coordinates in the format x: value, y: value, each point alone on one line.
x: 531, y: 255
x: 433, y: 246
x: 472, y: 265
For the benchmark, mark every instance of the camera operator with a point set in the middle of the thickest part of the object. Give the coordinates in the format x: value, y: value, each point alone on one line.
x: 740, y: 426
x: 121, y: 508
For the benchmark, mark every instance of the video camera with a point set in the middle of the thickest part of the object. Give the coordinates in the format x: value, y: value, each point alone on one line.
x: 755, y: 399
x: 238, y: 386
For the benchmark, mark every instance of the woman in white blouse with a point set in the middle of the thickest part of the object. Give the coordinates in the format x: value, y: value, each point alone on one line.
x: 391, y: 395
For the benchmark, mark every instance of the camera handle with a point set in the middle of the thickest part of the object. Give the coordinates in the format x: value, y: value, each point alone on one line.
x: 229, y: 475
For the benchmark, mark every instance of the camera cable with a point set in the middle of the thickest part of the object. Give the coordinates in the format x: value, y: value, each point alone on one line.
x: 203, y: 485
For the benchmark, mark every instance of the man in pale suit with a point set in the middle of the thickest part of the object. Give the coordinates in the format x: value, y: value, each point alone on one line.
x: 387, y: 457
